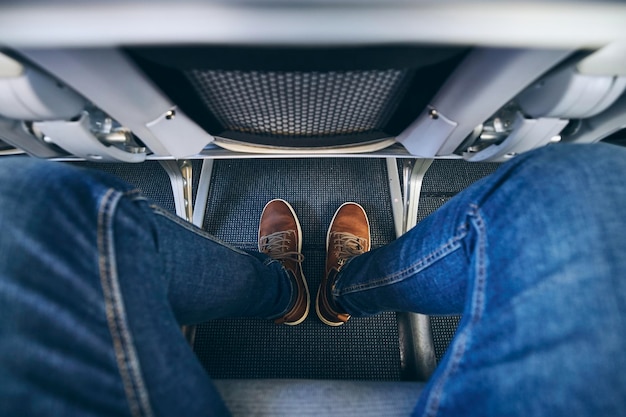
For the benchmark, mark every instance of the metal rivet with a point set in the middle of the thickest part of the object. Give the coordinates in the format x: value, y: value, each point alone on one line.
x: 434, y: 114
x: 170, y: 114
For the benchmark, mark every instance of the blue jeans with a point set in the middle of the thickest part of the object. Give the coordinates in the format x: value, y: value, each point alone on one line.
x: 95, y: 282
x: 94, y: 285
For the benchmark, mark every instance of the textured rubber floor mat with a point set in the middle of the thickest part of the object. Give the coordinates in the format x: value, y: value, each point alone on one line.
x: 147, y: 176
x: 442, y: 181
x: 362, y: 349
x: 365, y: 348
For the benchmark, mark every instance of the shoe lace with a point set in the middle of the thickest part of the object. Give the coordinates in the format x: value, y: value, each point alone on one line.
x: 276, y: 246
x: 347, y: 246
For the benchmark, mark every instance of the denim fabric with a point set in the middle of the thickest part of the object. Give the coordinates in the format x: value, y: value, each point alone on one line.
x: 95, y: 282
x: 533, y: 257
x: 94, y: 285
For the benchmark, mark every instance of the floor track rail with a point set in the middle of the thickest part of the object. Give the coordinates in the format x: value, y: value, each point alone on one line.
x: 414, y: 329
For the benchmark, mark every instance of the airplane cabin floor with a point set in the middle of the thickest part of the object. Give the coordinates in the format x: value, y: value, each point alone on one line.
x: 364, y: 348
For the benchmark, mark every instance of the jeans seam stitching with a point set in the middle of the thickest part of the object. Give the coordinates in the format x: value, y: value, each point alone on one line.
x: 194, y: 229
x: 134, y: 194
x: 478, y: 304
x: 123, y: 345
x: 450, y: 246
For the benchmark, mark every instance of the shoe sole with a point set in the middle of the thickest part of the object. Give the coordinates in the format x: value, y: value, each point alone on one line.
x: 369, y: 244
x: 306, y: 286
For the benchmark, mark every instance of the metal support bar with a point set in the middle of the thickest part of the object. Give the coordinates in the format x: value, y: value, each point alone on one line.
x: 77, y: 138
x: 182, y: 199
x: 202, y: 194
x: 418, y: 358
x: 527, y: 134
x: 181, y: 175
x: 414, y: 188
x: 189, y: 332
x: 397, y: 205
x: 186, y: 171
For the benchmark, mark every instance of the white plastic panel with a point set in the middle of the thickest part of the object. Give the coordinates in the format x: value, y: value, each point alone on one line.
x: 483, y: 83
x: 610, y: 60
x: 32, y: 95
x: 10, y: 68
x: 76, y: 138
x: 557, y: 23
x: 527, y: 134
x: 108, y: 79
x: 425, y: 136
x: 14, y: 133
x: 569, y: 94
x: 597, y: 128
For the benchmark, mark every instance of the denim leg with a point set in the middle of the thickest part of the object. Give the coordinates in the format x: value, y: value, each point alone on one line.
x: 209, y: 279
x: 533, y: 258
x: 94, y: 284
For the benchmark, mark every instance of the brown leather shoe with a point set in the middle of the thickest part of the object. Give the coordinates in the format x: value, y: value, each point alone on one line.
x: 348, y: 236
x: 280, y: 237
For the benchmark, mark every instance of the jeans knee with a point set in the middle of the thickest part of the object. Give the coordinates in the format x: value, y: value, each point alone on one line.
x: 562, y: 204
x: 574, y: 166
x: 559, y: 179
x: 43, y: 200
x: 29, y: 184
